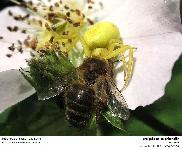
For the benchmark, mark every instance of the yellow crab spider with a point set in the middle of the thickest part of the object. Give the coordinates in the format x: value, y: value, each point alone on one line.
x: 103, y: 40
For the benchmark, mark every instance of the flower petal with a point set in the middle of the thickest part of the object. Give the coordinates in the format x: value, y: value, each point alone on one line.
x: 155, y: 58
x: 17, y: 60
x: 153, y: 27
x: 142, y: 18
x: 14, y: 88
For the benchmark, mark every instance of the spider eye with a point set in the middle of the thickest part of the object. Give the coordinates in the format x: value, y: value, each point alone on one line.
x: 99, y: 35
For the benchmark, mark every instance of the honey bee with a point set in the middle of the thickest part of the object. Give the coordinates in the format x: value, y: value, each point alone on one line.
x: 92, y: 93
x: 87, y: 91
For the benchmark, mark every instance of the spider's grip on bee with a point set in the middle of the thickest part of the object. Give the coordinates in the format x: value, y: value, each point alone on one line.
x: 103, y: 40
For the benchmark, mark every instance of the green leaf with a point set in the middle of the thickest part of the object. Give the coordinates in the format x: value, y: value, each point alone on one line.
x: 114, y: 120
x: 4, y: 116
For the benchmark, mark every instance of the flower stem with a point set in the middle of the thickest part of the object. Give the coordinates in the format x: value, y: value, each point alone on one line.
x: 154, y: 123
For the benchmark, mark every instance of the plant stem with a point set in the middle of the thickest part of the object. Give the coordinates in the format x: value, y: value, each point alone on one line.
x: 98, y: 132
x: 154, y: 123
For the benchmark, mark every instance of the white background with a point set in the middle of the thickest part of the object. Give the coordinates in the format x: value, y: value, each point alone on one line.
x: 91, y: 143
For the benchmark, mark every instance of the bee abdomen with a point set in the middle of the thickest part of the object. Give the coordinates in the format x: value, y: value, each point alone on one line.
x: 77, y: 119
x: 79, y: 105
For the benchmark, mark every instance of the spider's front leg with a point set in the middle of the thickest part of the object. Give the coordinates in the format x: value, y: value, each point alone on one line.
x: 118, y: 50
x: 86, y: 49
x: 129, y: 67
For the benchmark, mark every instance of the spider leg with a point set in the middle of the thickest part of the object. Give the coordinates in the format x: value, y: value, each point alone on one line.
x: 129, y: 68
x: 85, y: 47
x: 112, y: 53
x: 124, y: 66
x: 127, y: 65
x: 114, y: 43
x: 98, y: 52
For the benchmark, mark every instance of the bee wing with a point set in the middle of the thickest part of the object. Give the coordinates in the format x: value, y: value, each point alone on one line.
x: 54, y: 89
x: 116, y: 101
x: 57, y: 87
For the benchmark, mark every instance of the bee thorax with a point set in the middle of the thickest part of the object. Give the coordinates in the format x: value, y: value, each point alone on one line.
x: 92, y: 68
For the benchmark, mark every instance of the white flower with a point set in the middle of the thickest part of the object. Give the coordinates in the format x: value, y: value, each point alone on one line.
x: 153, y: 26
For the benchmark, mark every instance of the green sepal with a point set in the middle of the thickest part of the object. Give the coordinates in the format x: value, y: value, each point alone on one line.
x: 44, y: 70
x: 93, y: 122
x: 76, y: 57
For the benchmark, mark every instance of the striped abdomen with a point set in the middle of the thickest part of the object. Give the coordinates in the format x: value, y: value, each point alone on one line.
x: 79, y: 105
